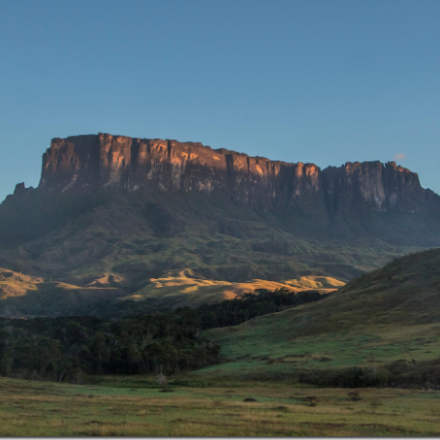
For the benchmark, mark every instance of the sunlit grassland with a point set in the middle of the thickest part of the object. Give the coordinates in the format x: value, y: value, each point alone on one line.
x: 51, y: 409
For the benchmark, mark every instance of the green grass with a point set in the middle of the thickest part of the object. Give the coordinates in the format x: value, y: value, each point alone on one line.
x: 29, y: 408
x: 388, y: 315
x: 264, y: 353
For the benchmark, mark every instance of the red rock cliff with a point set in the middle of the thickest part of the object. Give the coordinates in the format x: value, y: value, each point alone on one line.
x: 99, y: 161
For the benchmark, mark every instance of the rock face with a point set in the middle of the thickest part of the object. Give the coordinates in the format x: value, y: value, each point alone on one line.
x: 85, y: 163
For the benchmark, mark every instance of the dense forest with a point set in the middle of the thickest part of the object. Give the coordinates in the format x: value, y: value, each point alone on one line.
x: 67, y: 348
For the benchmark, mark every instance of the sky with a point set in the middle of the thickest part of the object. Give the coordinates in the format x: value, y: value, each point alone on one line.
x: 317, y: 81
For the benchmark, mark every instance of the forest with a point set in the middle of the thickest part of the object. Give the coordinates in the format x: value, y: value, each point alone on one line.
x: 68, y: 348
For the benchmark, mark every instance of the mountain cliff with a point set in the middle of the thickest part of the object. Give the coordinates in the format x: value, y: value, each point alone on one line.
x: 104, y: 161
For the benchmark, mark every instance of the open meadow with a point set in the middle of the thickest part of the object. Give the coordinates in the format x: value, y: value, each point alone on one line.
x: 32, y: 408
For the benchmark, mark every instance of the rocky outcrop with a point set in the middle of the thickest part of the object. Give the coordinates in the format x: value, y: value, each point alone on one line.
x: 85, y: 163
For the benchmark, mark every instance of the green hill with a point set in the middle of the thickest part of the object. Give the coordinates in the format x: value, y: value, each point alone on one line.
x: 388, y: 317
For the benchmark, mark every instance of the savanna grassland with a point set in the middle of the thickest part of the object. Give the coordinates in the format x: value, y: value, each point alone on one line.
x: 386, y: 323
x: 53, y: 409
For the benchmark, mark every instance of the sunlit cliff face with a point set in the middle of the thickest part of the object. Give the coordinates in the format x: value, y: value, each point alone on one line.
x: 104, y: 161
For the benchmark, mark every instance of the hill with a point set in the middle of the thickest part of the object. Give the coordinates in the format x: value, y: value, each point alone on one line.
x: 185, y: 290
x: 382, y: 322
x: 26, y: 296
x: 102, y: 295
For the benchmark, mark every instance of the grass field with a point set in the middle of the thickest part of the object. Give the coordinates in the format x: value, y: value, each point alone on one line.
x: 388, y: 315
x: 266, y: 353
x: 51, y: 409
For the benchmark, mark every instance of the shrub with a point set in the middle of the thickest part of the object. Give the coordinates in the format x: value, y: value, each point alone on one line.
x: 354, y: 395
x: 376, y: 403
x: 161, y: 380
x: 312, y: 400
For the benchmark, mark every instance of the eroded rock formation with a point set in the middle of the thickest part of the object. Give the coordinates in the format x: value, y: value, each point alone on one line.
x: 99, y: 161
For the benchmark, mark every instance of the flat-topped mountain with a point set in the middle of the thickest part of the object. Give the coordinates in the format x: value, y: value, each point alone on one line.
x: 104, y: 161
x: 142, y: 209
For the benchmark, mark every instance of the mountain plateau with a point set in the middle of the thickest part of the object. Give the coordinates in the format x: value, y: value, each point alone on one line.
x: 138, y: 210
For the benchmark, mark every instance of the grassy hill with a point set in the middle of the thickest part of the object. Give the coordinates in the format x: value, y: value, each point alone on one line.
x: 381, y: 329
x: 184, y: 289
x: 389, y: 318
x: 26, y: 296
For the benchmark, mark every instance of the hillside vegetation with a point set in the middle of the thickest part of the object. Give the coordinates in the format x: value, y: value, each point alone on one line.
x: 187, y: 290
x: 197, y: 248
x: 382, y: 327
x: 145, y: 235
x: 22, y: 295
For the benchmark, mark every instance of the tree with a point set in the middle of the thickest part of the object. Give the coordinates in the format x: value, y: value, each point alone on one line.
x: 6, y: 362
x: 161, y: 379
x: 99, y: 350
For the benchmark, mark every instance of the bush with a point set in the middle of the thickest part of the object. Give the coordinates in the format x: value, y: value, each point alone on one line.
x: 312, y: 400
x: 354, y: 395
x: 161, y: 380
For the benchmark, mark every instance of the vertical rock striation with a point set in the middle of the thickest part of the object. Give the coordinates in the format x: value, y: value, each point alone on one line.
x: 86, y: 163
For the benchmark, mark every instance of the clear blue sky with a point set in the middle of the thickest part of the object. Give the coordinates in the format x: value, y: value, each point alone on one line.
x: 314, y: 81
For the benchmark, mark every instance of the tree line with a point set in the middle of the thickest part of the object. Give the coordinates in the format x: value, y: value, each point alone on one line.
x: 67, y: 348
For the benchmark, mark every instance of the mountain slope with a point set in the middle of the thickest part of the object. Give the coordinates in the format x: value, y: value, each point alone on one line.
x: 391, y: 314
x: 144, y: 235
x: 370, y: 199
